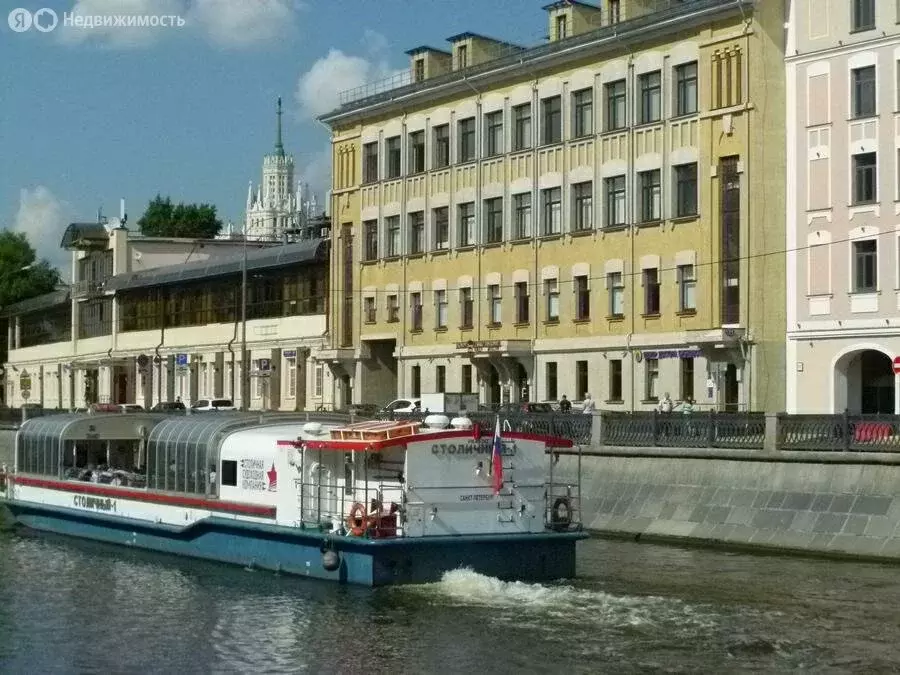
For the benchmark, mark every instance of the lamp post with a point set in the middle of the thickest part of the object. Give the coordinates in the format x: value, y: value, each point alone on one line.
x: 245, y: 379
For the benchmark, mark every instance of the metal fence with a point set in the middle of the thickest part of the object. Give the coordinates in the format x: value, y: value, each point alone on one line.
x: 571, y: 426
x: 841, y: 433
x: 694, y: 430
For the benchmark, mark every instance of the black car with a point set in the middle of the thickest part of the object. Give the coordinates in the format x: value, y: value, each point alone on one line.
x: 167, y: 406
x: 526, y: 407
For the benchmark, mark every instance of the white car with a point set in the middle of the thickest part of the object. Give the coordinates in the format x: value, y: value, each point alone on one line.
x: 403, y: 405
x: 203, y: 404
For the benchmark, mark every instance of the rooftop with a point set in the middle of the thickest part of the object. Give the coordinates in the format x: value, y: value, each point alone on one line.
x: 40, y: 302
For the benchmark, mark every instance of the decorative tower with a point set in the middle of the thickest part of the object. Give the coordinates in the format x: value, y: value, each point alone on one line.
x: 272, y: 209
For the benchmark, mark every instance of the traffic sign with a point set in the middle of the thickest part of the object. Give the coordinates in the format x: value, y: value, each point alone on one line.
x: 181, y: 359
x: 26, y: 394
x: 897, y: 365
x: 142, y: 361
x: 25, y: 380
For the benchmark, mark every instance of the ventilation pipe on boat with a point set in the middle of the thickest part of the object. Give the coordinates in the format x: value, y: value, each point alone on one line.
x: 437, y: 421
x: 313, y: 428
x: 461, y: 422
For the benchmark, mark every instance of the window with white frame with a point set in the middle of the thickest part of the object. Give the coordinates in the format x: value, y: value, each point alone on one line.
x: 615, y: 201
x: 583, y: 206
x: 650, y: 86
x: 466, y: 308
x: 685, y: 190
x: 441, y: 153
x: 615, y: 105
x: 862, y: 15
x: 551, y: 211
x: 651, y: 189
x: 686, y: 89
x: 466, y: 224
x: 615, y: 285
x: 370, y: 163
x: 651, y: 379
x: 522, y: 302
x: 865, y: 266
x: 522, y: 228
x: 415, y: 310
x: 583, y: 113
x: 440, y: 309
x: 441, y: 225
x: 493, y: 133
x: 687, y: 288
x: 370, y: 234
x: 651, y: 291
x: 319, y: 380
x: 865, y: 185
x: 551, y: 120
x: 369, y: 310
x: 393, y: 308
x: 521, y: 115
x: 392, y: 150
x: 393, y: 236
x: 493, y: 220
x: 466, y: 145
x: 495, y: 303
x: 416, y: 232
x: 290, y: 365
x: 862, y: 92
x: 551, y: 292
x: 416, y: 141
x: 582, y: 298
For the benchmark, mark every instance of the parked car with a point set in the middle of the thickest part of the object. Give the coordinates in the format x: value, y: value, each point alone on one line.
x: 360, y: 409
x: 131, y: 407
x: 402, y: 405
x: 526, y: 407
x: 204, y: 404
x: 167, y: 406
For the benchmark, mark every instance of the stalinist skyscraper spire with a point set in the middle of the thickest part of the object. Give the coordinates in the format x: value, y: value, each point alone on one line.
x: 272, y: 208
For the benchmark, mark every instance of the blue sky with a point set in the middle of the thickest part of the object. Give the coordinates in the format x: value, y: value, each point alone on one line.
x: 91, y: 115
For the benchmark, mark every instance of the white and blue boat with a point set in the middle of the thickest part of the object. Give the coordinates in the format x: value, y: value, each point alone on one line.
x: 370, y: 503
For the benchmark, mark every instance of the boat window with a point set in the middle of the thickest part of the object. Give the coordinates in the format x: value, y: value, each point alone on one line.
x: 229, y: 472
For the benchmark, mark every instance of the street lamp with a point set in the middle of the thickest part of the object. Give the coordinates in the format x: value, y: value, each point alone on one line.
x: 245, y: 379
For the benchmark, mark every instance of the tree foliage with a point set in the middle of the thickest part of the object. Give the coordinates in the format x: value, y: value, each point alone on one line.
x: 22, y: 275
x: 192, y: 221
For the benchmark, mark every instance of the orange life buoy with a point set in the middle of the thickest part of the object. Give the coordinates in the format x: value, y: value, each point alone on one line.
x: 357, y: 521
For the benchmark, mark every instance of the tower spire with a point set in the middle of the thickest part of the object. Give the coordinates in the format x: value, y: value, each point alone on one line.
x: 279, y: 148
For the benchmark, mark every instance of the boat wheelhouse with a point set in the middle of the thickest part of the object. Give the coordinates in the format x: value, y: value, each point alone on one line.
x: 371, y: 503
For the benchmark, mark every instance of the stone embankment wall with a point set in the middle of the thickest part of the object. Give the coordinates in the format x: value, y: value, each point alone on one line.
x: 831, y: 503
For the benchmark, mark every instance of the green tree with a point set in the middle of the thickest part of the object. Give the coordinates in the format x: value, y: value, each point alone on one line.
x: 22, y: 275
x: 192, y: 221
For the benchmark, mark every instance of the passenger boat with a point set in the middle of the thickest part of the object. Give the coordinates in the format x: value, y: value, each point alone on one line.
x: 369, y: 503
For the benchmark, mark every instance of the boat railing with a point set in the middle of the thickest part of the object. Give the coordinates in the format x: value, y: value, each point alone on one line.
x: 373, y: 511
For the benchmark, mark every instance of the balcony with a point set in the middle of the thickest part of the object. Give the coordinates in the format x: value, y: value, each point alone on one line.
x: 88, y: 288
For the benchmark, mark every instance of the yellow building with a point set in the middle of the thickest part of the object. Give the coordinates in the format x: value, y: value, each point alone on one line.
x: 592, y: 215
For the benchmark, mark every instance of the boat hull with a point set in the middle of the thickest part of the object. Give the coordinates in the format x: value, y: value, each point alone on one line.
x: 376, y: 562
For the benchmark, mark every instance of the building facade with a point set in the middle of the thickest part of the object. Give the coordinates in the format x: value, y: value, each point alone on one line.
x: 843, y: 330
x: 586, y: 216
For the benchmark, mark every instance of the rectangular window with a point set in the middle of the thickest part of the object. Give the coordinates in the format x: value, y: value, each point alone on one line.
x: 583, y: 206
x: 319, y: 383
x: 466, y: 377
x: 615, y: 201
x: 686, y: 190
x: 370, y: 230
x: 651, y: 291
x: 522, y: 217
x: 392, y: 149
x: 521, y: 126
x: 393, y: 236
x: 415, y: 310
x: 551, y: 211
x: 686, y: 379
x: 865, y: 266
x: 687, y: 288
x: 651, y: 379
x: 550, y: 378
x: 466, y: 224
x: 615, y: 105
x: 582, y: 299
x: 551, y: 291
x: 551, y: 120
x: 615, y: 379
x: 466, y: 131
x: 493, y: 220
x: 864, y: 178
x: 616, y: 286
x: 522, y: 301
x: 863, y: 91
x: 495, y: 302
x: 416, y: 152
x: 291, y: 366
x: 651, y: 97
x: 415, y: 381
x: 651, y: 190
x: 441, y: 138
x: 440, y: 309
x: 466, y: 308
x: 581, y: 380
x: 393, y: 308
x: 493, y: 134
x: 416, y: 232
x: 369, y: 312
x: 686, y: 89
x: 582, y: 113
x: 462, y: 57
x: 370, y: 163
x: 863, y: 15
x: 440, y: 379
x: 229, y: 472
x: 614, y: 11
x: 419, y: 70
x: 561, y: 26
x: 441, y: 219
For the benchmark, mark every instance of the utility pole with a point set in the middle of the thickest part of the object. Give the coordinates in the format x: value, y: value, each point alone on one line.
x: 245, y: 373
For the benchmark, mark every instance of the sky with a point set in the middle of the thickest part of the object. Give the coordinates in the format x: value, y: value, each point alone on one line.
x: 90, y: 115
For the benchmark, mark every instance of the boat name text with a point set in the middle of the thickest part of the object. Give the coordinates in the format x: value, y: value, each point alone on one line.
x: 96, y: 503
x: 482, y: 448
x: 253, y: 475
x: 475, y: 498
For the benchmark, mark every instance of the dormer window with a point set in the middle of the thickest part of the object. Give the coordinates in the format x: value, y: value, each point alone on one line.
x: 418, y: 70
x: 462, y: 57
x: 561, y: 27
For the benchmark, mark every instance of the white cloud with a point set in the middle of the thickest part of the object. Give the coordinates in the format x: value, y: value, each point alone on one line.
x: 239, y: 23
x: 43, y: 218
x: 315, y: 169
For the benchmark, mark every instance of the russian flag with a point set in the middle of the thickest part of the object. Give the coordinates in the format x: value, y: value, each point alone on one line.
x: 497, y: 459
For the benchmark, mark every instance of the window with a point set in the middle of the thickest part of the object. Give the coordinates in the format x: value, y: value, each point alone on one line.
x: 495, y: 302
x: 583, y: 206
x: 392, y: 147
x: 863, y: 14
x: 393, y: 308
x: 615, y: 105
x: 393, y: 236
x: 651, y: 89
x: 581, y: 380
x: 493, y: 133
x: 685, y: 190
x: 551, y: 208
x: 415, y: 381
x: 419, y: 70
x: 521, y: 126
x: 229, y: 472
x: 614, y: 11
x: 440, y: 309
x: 687, y: 288
x: 493, y: 219
x: 616, y: 286
x: 441, y: 219
x: 370, y: 234
x: 865, y: 266
x: 686, y: 89
x: 582, y: 113
x: 551, y: 120
x: 415, y: 310
x: 462, y: 56
x: 550, y: 378
x: 440, y: 379
x: 522, y: 215
x: 651, y: 379
x: 466, y: 377
x: 466, y: 307
x: 522, y: 302
x: 466, y: 130
x: 863, y: 91
x: 615, y: 201
x: 651, y: 291
x: 416, y: 232
x: 369, y: 312
x: 650, y: 193
x: 319, y: 383
x: 466, y: 224
x: 290, y: 365
x: 561, y: 26
x: 686, y: 379
x: 582, y: 299
x: 416, y: 152
x: 615, y: 379
x: 551, y: 290
x: 370, y: 163
x: 864, y: 177
x: 441, y: 146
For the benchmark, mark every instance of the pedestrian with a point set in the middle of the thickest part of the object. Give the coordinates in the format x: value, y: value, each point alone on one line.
x: 565, y: 405
x: 589, y: 407
x: 665, y: 405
